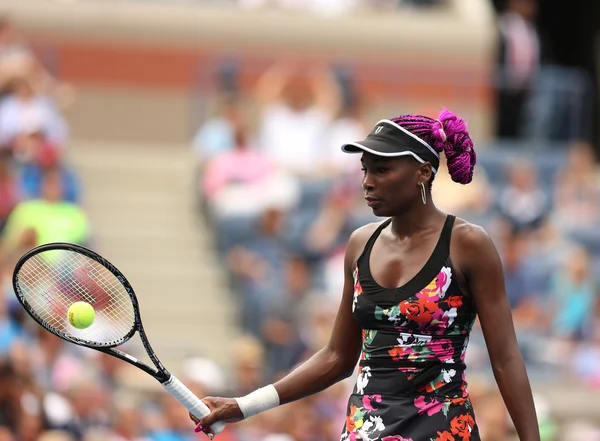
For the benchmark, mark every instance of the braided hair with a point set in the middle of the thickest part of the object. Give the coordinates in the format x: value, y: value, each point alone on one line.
x: 446, y: 134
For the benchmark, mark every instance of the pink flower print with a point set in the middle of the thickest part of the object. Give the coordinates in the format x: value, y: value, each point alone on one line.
x: 398, y: 353
x: 430, y: 405
x: 436, y: 289
x: 439, y: 322
x: 443, y: 280
x: 442, y: 349
x: 396, y: 438
x: 367, y: 399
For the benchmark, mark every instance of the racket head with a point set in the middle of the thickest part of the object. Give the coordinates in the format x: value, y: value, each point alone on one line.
x: 50, y: 277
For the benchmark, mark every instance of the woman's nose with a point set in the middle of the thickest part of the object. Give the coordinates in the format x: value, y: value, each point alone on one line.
x: 367, y: 183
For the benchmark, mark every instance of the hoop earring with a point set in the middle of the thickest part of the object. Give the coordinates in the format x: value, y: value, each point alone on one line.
x: 423, y: 194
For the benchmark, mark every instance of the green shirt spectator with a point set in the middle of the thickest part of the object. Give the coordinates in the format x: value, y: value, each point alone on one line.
x: 51, y: 218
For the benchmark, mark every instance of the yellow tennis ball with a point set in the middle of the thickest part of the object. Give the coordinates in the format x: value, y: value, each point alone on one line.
x: 81, y: 315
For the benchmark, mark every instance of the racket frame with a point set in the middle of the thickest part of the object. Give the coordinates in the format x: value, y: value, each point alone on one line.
x: 159, y: 371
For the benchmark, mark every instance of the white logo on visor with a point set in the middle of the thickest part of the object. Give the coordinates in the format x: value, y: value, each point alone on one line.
x: 378, y: 129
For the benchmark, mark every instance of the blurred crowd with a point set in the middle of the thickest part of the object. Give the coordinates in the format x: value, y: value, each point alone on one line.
x: 282, y: 201
x: 51, y: 390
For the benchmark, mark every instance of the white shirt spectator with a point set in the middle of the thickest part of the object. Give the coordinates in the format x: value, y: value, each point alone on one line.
x: 19, y: 117
x: 294, y: 139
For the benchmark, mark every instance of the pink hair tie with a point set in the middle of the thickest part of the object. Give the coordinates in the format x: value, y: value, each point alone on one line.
x: 442, y: 131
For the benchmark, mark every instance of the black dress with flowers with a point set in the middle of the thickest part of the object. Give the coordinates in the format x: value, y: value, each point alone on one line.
x: 411, y: 380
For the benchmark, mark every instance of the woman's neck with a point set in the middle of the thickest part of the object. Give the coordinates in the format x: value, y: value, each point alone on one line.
x: 417, y: 220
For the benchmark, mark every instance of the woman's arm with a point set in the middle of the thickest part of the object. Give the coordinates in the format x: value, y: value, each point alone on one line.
x: 327, y: 92
x: 273, y: 81
x: 481, y: 266
x: 338, y: 358
x: 331, y: 364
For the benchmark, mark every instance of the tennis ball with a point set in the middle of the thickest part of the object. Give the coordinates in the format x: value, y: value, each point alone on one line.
x: 81, y: 315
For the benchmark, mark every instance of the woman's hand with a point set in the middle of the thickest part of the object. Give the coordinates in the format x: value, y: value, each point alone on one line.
x: 221, y: 409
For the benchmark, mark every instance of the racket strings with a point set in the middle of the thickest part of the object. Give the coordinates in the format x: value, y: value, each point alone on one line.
x: 51, y: 281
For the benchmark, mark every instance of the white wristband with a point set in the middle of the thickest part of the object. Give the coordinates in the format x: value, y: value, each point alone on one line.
x: 260, y: 400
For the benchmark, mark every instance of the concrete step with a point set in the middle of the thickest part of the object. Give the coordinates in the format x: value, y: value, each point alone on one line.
x: 121, y: 220
x: 175, y: 238
x: 140, y: 202
x: 163, y: 199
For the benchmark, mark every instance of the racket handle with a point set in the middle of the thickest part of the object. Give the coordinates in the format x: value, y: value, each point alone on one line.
x: 190, y: 401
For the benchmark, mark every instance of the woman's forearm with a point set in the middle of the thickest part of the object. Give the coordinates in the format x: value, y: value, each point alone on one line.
x: 319, y: 372
x: 514, y: 386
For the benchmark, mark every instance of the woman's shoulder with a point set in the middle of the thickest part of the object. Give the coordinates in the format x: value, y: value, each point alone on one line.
x: 360, y: 236
x: 472, y: 250
x: 469, y: 236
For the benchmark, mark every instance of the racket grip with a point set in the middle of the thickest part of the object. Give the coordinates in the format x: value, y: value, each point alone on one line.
x: 190, y: 401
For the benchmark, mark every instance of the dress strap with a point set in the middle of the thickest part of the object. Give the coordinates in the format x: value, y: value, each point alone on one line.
x: 444, y: 242
x: 369, y: 245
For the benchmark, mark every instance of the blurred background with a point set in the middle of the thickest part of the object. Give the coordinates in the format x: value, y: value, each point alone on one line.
x: 195, y: 144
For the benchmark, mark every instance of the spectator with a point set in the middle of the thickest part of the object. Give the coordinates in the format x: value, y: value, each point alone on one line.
x: 10, y: 407
x: 248, y: 365
x: 523, y: 203
x: 217, y: 135
x: 284, y: 317
x: 50, y: 218
x: 37, y: 155
x: 297, y: 105
x: 259, y: 267
x: 519, y: 60
x: 521, y: 285
x: 23, y: 112
x: 577, y: 191
x: 574, y: 297
x: 127, y: 424
x: 9, y: 192
x: 16, y: 59
x: 243, y: 181
x: 174, y: 424
x: 333, y: 224
x: 90, y: 403
x: 348, y: 125
x: 10, y: 331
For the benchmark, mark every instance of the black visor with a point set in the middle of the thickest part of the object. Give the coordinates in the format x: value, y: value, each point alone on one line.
x: 390, y: 140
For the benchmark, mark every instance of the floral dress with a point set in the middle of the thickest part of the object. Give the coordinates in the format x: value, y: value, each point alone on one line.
x: 411, y: 380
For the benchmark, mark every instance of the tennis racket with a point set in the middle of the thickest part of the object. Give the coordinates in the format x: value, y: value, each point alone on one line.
x: 50, y: 278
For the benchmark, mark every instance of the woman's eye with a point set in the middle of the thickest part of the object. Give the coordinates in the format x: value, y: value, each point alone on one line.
x: 381, y: 169
x: 364, y: 170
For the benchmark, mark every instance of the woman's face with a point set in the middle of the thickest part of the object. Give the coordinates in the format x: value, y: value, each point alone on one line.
x: 392, y: 185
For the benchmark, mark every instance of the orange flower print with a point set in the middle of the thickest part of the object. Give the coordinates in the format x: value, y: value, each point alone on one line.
x: 459, y: 401
x: 433, y: 386
x: 396, y: 353
x: 420, y: 311
x: 462, y: 425
x: 454, y: 301
x: 350, y: 427
x: 444, y: 436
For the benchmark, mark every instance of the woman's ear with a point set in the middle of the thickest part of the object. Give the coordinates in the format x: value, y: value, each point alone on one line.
x: 426, y: 172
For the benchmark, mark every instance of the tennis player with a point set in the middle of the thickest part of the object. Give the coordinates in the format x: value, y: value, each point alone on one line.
x: 414, y: 284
